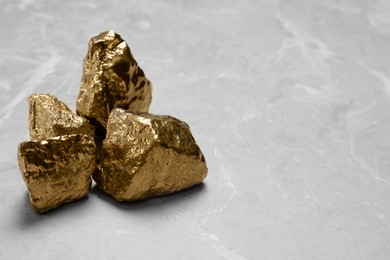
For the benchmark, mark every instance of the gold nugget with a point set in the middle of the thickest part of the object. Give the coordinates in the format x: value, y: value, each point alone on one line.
x: 49, y: 117
x: 57, y: 170
x: 147, y: 155
x: 111, y: 78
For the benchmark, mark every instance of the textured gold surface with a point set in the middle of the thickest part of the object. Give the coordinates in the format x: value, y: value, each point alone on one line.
x: 57, y: 170
x: 49, y: 117
x: 111, y: 78
x: 147, y: 155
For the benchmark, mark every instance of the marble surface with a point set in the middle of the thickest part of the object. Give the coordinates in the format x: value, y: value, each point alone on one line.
x: 289, y: 101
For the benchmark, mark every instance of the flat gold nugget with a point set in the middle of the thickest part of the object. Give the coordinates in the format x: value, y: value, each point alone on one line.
x: 147, y: 155
x: 111, y: 78
x: 57, y: 170
x: 49, y: 117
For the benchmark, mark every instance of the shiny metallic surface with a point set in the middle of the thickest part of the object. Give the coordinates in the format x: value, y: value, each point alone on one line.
x: 49, y: 117
x: 288, y: 101
x: 147, y: 155
x: 57, y: 170
x: 111, y: 78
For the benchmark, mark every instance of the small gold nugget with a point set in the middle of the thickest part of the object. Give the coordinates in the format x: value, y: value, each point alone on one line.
x: 57, y: 170
x: 49, y: 117
x: 147, y: 155
x: 111, y: 78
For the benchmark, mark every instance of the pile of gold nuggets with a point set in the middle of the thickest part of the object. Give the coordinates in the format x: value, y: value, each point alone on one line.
x: 129, y: 153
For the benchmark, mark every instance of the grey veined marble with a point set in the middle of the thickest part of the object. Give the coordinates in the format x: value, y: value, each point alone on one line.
x: 289, y: 101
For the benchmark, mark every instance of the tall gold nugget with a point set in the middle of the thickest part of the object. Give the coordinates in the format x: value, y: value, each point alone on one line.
x: 147, y: 155
x: 49, y: 117
x: 57, y: 170
x: 111, y: 78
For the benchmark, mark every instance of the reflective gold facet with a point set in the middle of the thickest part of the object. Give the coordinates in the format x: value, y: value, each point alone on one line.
x: 49, y: 117
x: 147, y: 155
x: 57, y: 170
x: 111, y: 78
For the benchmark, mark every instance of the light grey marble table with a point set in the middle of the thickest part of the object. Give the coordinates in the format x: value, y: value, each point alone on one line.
x: 289, y: 101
